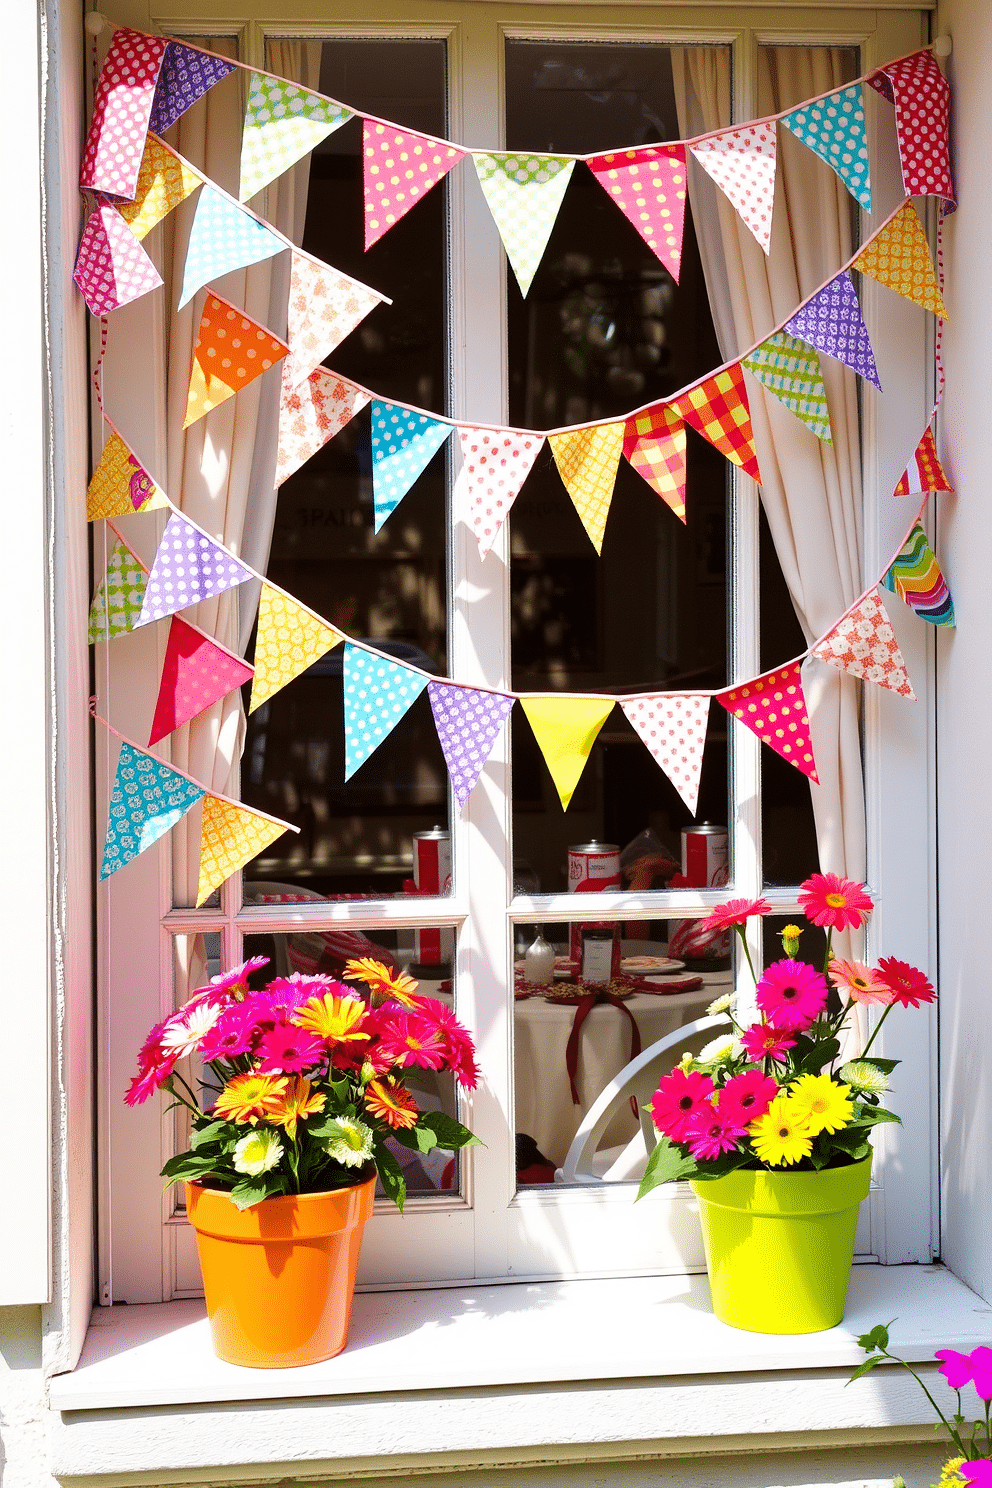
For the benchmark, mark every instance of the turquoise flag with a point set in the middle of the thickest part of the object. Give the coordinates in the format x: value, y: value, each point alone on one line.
x: 403, y: 443
x: 834, y: 128
x: 147, y: 800
x: 223, y: 237
x: 377, y: 694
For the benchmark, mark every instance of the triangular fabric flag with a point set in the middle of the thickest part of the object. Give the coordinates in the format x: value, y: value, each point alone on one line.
x: 718, y: 409
x: 289, y: 639
x: 774, y: 707
x: 924, y: 471
x: 587, y: 461
x: 189, y: 567
x: 916, y: 577
x: 231, y: 350
x: 120, y: 485
x: 648, y: 185
x: 283, y: 122
x: 230, y: 837
x: 117, y: 601
x: 899, y: 258
x: 673, y: 726
x: 790, y: 369
x: 495, y: 464
x: 163, y: 182
x: 121, y: 110
x: 524, y: 193
x: 403, y: 444
x: 377, y: 694
x: 147, y: 799
x: 197, y: 671
x: 834, y: 128
x: 186, y: 75
x: 223, y: 237
x: 400, y: 168
x: 864, y: 644
x: 742, y: 163
x: 565, y: 728
x: 112, y: 268
x: 467, y: 721
x: 920, y: 93
x: 654, y: 443
x: 832, y: 322
x: 312, y: 414
x: 324, y: 307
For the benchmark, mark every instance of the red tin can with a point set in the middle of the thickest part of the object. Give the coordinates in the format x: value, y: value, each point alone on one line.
x: 432, y: 875
x: 704, y: 856
x: 592, y: 867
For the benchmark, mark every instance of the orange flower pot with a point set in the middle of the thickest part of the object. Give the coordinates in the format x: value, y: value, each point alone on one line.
x: 279, y: 1278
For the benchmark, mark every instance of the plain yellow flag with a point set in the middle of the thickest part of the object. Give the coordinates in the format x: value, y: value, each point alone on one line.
x: 290, y: 638
x: 566, y: 728
x: 231, y: 836
x: 587, y: 461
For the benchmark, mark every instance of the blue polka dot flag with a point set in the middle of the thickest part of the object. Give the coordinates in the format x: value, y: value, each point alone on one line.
x: 403, y: 442
x: 147, y: 800
x: 223, y: 237
x: 834, y: 128
x: 468, y: 721
x: 377, y: 694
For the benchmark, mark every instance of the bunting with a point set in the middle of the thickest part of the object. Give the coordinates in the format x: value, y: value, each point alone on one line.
x: 899, y: 257
x: 112, y: 268
x: 924, y: 471
x: 231, y: 350
x: 121, y: 111
x: 587, y: 461
x: 324, y: 307
x: 189, y: 567
x: 718, y: 408
x: 834, y: 128
x: 377, y: 694
x: 832, y: 322
x: 197, y: 671
x: 742, y: 163
x: 223, y: 238
x: 163, y: 182
x: 916, y: 577
x: 566, y: 728
x: 117, y: 601
x: 864, y: 644
x: 146, y: 801
x: 283, y: 122
x: 524, y: 194
x: 289, y: 639
x: 673, y: 726
x: 400, y: 168
x: 790, y: 370
x: 919, y: 91
x: 230, y: 837
x: 468, y: 721
x: 187, y: 73
x: 311, y: 414
x: 654, y: 443
x: 120, y: 485
x: 648, y: 185
x: 773, y: 706
x: 403, y: 444
x: 495, y: 464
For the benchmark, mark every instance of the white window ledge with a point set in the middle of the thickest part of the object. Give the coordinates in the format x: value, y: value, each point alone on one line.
x: 579, y: 1364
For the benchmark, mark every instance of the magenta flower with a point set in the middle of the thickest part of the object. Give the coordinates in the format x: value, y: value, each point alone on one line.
x: 962, y: 1369
x: 288, y: 1050
x: 679, y: 1098
x: 792, y: 994
x: 459, y: 1049
x: 765, y: 1041
x: 155, y: 1065
x: 407, y: 1037
x: 235, y: 981
x: 840, y: 903
x: 713, y: 1130
x: 230, y: 1036
x: 979, y: 1471
x: 735, y: 912
x: 748, y: 1096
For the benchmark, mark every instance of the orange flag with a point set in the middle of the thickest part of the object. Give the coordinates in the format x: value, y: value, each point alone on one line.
x: 719, y: 409
x: 231, y: 351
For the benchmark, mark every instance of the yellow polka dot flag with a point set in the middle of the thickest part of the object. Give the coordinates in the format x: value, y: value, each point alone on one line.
x: 120, y: 485
x: 587, y: 461
x: 163, y: 182
x: 566, y: 728
x: 899, y: 257
x: 290, y: 638
x: 231, y: 351
x: 230, y: 837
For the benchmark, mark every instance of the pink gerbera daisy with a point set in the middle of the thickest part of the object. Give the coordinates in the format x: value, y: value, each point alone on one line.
x: 679, y: 1098
x: 230, y: 1036
x: 235, y: 981
x: 713, y: 1130
x: 765, y: 1041
x: 840, y: 903
x: 459, y: 1048
x: 792, y: 994
x: 407, y: 1038
x: 748, y: 1096
x: 859, y: 982
x: 909, y: 987
x: 735, y: 912
x: 155, y: 1065
x: 288, y: 1050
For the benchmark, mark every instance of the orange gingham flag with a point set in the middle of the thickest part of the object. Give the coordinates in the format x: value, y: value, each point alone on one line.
x: 719, y: 409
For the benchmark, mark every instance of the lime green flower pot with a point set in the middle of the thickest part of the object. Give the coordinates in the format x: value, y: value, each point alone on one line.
x: 779, y: 1246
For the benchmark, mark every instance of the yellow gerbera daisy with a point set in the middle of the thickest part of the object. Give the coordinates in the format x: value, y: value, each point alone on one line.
x: 384, y: 983
x: 297, y: 1103
x: 781, y: 1135
x: 247, y: 1097
x: 335, y: 1019
x: 823, y: 1103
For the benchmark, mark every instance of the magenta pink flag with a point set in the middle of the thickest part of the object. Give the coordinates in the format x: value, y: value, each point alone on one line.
x: 648, y: 185
x: 121, y: 111
x: 400, y: 169
x: 197, y: 672
x: 921, y: 96
x: 112, y: 268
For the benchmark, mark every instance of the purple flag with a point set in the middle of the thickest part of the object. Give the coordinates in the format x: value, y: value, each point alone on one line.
x: 188, y: 567
x: 832, y: 323
x: 467, y: 723
x: 186, y: 75
x: 112, y: 268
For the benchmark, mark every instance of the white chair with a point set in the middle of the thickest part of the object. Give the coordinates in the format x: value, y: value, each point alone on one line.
x: 639, y: 1079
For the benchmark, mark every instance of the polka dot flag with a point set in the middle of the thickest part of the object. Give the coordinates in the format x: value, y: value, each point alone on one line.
x: 832, y: 322
x: 495, y: 464
x: 774, y: 708
x: 864, y: 644
x: 197, y: 671
x: 524, y: 193
x: 231, y: 350
x: 223, y: 237
x: 283, y: 122
x: 921, y: 96
x: 834, y: 128
x: 648, y: 185
x: 377, y: 694
x: 146, y: 801
x: 468, y: 721
x: 400, y: 169
x: 121, y: 111
x: 742, y: 163
x: 673, y: 726
x: 187, y: 73
x: 189, y: 567
x: 163, y: 182
x: 899, y: 258
x: 403, y: 443
x: 112, y: 268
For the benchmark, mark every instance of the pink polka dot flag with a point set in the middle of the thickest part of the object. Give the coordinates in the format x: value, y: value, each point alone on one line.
x: 311, y: 414
x: 468, y: 721
x: 495, y: 464
x: 673, y: 726
x: 197, y: 672
x: 654, y: 443
x: 864, y: 644
x: 648, y: 185
x: 742, y: 163
x: 774, y: 708
x: 112, y: 268
x: 121, y: 111
x: 919, y: 91
x: 189, y: 567
x: 400, y: 168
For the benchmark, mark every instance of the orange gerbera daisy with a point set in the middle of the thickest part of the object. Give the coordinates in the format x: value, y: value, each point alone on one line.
x: 298, y: 1102
x: 391, y: 1103
x: 247, y: 1097
x: 336, y: 1019
x: 383, y: 982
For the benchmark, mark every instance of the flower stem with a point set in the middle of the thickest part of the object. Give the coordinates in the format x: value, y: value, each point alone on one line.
x: 952, y: 1433
x: 747, y: 954
x: 874, y: 1034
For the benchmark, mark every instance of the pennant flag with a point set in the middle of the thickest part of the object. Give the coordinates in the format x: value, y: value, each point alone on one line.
x: 924, y: 471
x: 524, y: 193
x: 834, y: 128
x: 916, y: 577
x: 117, y: 601
x: 186, y: 75
x: 774, y: 708
x: 377, y: 694
x: 648, y: 185
x: 189, y: 566
x: 197, y: 671
x: 718, y: 409
x: 289, y: 639
x: 147, y: 799
x: 899, y: 257
x: 467, y: 721
x: 864, y: 644
x: 790, y: 369
x: 400, y: 168
x: 919, y: 91
x: 231, y: 350
x: 742, y: 163
x: 403, y: 444
x: 587, y: 461
x: 121, y: 110
x: 565, y: 728
x: 495, y: 464
x: 120, y: 485
x: 112, y: 268
x: 673, y: 726
x: 654, y: 443
x: 283, y: 122
x: 223, y: 237
x: 831, y: 321
x: 230, y: 837
x: 163, y: 182
x: 312, y: 414
x: 324, y: 307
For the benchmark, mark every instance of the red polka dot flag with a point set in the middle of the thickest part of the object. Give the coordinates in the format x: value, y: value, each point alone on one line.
x: 774, y: 708
x: 121, y: 110
x: 920, y: 94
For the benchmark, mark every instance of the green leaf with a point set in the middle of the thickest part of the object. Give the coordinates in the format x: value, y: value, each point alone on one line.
x: 390, y: 1175
x: 864, y: 1367
x: 418, y: 1138
x: 886, y: 1066
x: 251, y: 1191
x: 821, y: 1053
x: 666, y: 1165
x: 865, y: 1115
x: 190, y: 1165
x: 449, y: 1133
x: 214, y: 1131
x: 878, y: 1338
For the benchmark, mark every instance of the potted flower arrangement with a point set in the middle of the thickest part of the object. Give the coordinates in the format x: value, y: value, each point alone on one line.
x: 772, y: 1135
x: 303, y: 1084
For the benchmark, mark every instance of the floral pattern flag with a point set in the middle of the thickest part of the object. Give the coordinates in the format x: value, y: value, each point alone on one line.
x: 742, y: 163
x: 864, y: 644
x: 654, y: 443
x: 495, y: 464
x: 121, y: 111
x: 919, y: 91
x: 924, y: 471
x: 377, y: 694
x: 400, y: 168
x: 832, y: 322
x: 187, y: 73
x: 718, y: 409
x: 230, y: 351
x: 311, y: 414
x: 120, y: 484
x: 790, y: 370
x: 146, y: 801
x: 774, y: 707
x: 524, y: 193
x: 899, y: 257
x: 289, y: 639
x: 197, y: 671
x: 587, y: 461
x: 916, y: 577
x: 648, y: 185
x: 468, y: 721
x: 230, y: 837
x: 403, y: 444
x: 189, y: 567
x: 223, y: 237
x: 283, y: 122
x: 673, y: 726
x: 566, y: 728
x: 112, y: 268
x: 324, y: 307
x: 834, y: 128
x: 163, y: 182
x: 117, y: 601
